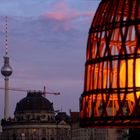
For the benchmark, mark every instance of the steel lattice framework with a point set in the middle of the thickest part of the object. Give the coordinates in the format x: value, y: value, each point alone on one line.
x: 111, y: 94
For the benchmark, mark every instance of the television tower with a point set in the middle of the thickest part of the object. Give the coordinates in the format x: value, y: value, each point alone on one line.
x: 6, y: 71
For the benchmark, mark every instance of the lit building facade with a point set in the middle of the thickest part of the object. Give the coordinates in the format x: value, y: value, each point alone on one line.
x: 35, y: 119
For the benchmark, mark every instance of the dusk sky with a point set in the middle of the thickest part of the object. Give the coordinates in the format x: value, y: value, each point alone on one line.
x: 47, y: 46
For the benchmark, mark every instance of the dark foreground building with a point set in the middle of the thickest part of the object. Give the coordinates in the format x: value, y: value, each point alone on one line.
x: 35, y: 119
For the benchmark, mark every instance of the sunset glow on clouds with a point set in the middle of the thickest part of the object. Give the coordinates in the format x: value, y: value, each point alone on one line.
x: 63, y: 15
x: 62, y: 12
x: 47, y: 46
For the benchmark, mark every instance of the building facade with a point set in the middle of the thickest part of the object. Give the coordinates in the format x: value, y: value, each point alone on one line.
x: 35, y: 119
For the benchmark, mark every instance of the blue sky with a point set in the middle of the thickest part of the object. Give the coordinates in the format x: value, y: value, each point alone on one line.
x: 47, y: 46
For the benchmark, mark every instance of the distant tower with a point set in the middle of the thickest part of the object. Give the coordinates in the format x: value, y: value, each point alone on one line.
x: 6, y: 71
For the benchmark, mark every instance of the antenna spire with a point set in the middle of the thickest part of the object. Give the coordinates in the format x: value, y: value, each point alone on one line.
x: 6, y: 37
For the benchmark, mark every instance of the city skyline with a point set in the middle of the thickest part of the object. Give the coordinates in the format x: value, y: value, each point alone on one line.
x: 47, y: 47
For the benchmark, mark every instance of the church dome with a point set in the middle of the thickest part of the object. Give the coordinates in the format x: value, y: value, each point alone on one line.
x: 34, y: 102
x: 62, y: 116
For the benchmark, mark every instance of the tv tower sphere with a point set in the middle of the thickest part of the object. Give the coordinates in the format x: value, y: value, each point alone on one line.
x: 6, y: 70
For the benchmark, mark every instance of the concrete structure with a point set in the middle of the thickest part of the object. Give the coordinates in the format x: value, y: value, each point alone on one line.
x: 35, y: 119
x: 6, y: 71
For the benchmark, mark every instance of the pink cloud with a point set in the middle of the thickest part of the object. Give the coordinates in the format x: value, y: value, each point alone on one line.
x: 62, y: 16
x: 62, y: 12
x: 55, y: 15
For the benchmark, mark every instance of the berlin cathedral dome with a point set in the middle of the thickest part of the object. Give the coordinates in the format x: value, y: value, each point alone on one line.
x: 34, y: 102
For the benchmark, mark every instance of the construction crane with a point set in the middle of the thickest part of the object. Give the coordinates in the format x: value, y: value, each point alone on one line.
x: 43, y: 92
